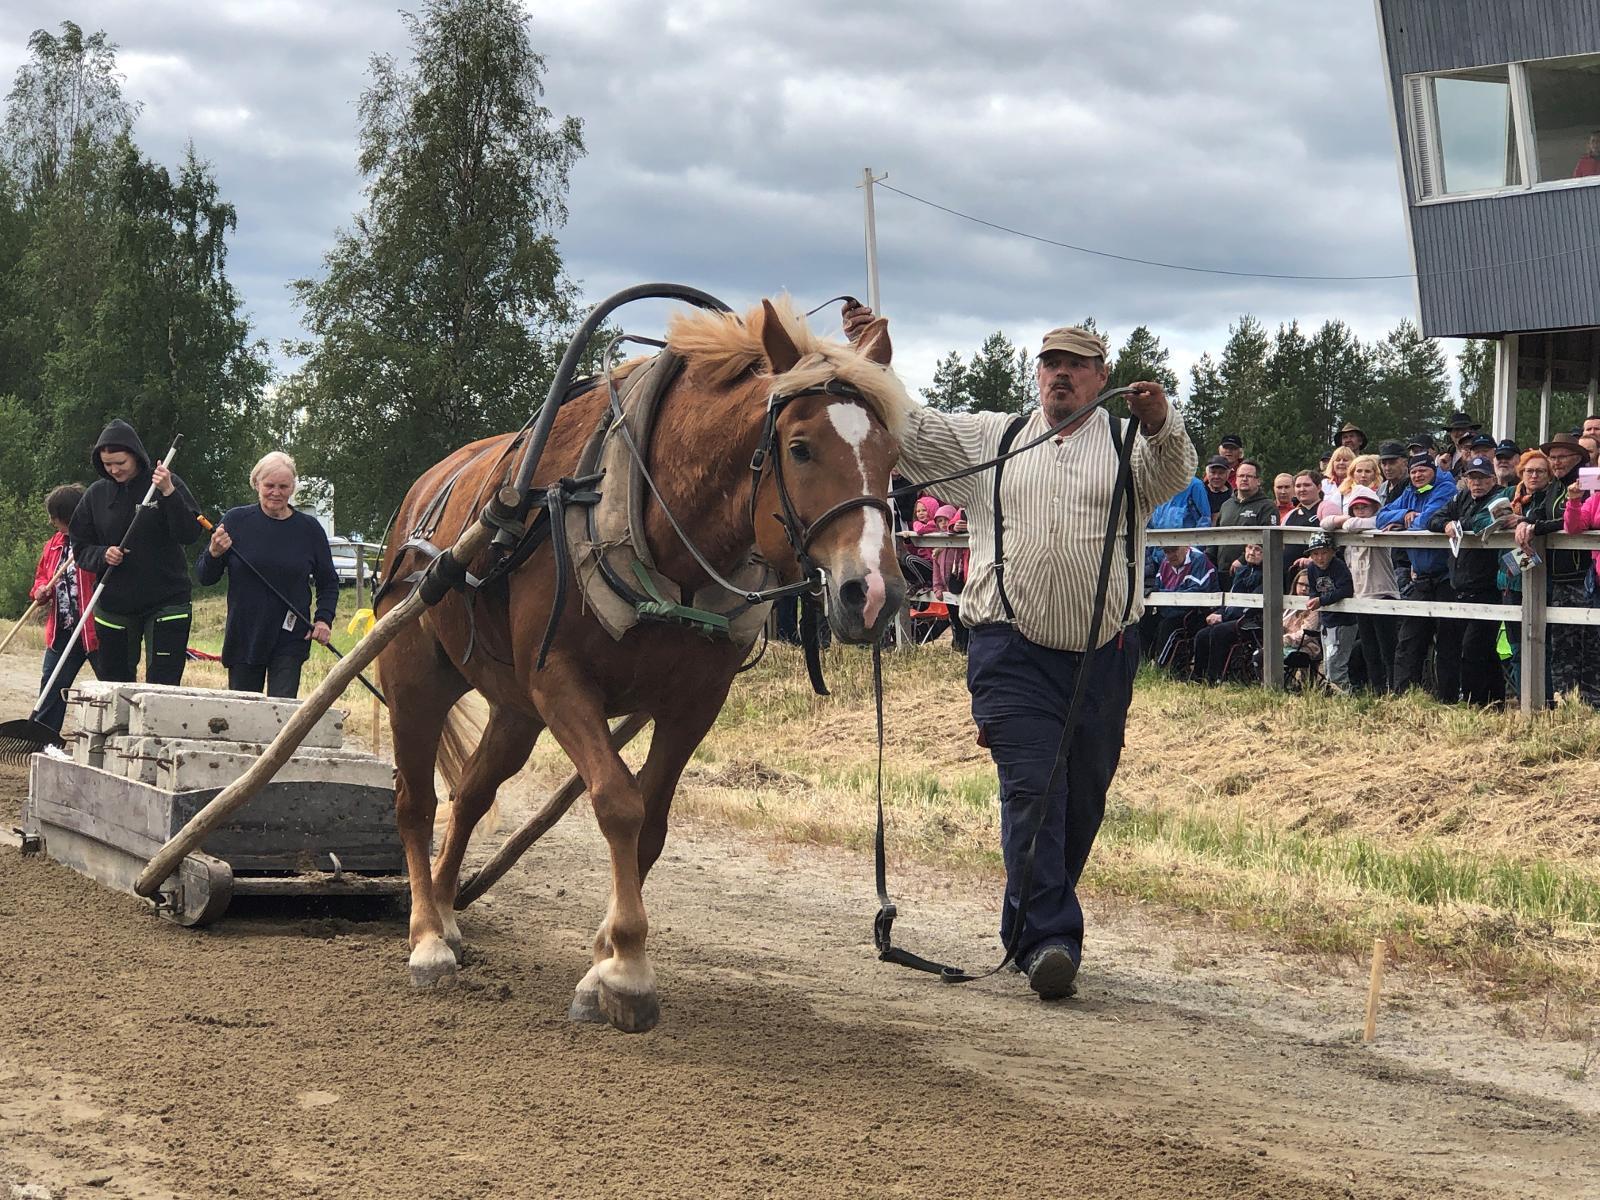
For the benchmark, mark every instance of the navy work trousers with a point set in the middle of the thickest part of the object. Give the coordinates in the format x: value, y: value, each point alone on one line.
x: 1020, y: 694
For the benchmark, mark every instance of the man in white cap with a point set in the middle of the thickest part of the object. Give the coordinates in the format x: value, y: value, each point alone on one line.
x: 1035, y: 561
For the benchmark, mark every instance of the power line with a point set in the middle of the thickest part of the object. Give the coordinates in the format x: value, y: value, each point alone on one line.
x: 1149, y: 262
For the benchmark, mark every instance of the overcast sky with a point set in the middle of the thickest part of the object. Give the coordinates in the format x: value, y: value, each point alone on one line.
x: 726, y: 140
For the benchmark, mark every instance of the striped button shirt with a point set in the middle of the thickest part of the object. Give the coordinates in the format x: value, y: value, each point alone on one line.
x: 1055, y: 498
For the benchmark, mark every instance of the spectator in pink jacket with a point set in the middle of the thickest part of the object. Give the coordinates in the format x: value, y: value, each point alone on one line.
x: 1582, y: 515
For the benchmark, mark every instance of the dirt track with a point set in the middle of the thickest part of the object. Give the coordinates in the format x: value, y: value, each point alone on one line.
x: 284, y: 1055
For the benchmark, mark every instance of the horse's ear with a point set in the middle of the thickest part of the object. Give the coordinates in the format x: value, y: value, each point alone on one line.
x: 775, y: 340
x: 874, y: 341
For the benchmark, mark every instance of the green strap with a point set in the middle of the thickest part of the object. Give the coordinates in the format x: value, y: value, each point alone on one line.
x: 659, y: 608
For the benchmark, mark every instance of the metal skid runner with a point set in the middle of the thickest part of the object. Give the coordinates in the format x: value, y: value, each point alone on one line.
x: 146, y: 757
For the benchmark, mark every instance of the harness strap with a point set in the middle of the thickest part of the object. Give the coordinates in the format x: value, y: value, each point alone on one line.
x: 1008, y: 437
x: 556, y: 498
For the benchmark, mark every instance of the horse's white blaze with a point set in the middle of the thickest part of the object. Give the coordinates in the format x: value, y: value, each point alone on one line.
x: 850, y: 422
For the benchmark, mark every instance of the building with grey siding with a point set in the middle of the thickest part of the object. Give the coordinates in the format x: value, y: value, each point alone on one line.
x: 1496, y: 107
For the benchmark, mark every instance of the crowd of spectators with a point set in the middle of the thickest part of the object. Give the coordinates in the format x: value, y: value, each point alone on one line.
x: 1465, y: 486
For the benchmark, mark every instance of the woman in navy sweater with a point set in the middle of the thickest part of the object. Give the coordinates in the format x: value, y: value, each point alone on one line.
x: 265, y: 644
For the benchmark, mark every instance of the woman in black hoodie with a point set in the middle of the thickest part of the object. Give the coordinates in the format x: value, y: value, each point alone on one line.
x: 146, y: 599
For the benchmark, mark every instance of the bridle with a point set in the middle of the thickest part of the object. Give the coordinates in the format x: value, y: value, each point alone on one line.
x: 799, y: 534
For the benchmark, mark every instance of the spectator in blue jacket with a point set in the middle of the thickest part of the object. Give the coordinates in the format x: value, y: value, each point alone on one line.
x: 1184, y: 569
x: 1223, y: 630
x: 1428, y: 575
x: 1332, y: 582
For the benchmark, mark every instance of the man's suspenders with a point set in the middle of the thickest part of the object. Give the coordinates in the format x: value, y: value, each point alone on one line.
x: 1118, y: 430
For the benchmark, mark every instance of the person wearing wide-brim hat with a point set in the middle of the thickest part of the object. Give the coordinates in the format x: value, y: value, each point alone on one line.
x: 1461, y: 422
x: 1353, y: 436
x: 1564, y: 445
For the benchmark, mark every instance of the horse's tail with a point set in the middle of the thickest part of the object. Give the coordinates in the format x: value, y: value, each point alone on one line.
x: 463, y: 730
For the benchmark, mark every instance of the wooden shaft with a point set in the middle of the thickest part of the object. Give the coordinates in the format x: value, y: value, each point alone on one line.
x: 542, y: 821
x: 472, y: 542
x: 17, y: 628
x: 1374, y: 986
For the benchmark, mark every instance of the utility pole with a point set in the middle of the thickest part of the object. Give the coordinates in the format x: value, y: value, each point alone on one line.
x: 903, y: 635
x: 867, y: 180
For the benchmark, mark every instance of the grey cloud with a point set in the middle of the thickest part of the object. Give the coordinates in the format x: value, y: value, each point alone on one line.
x: 725, y: 141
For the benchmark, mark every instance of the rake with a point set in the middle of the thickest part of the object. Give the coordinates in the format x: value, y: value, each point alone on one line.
x: 290, y: 605
x: 19, y: 739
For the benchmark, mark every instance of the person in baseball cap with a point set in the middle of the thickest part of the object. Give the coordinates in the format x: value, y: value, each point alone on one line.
x: 1506, y: 454
x: 1392, y: 463
x: 1075, y: 339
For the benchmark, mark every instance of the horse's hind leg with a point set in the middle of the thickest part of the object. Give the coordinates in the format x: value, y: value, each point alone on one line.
x: 421, y: 693
x: 507, y: 741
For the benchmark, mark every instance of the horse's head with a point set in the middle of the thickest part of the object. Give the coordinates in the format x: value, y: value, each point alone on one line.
x: 832, y: 412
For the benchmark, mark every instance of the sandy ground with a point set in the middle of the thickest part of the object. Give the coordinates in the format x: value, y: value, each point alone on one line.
x: 284, y: 1054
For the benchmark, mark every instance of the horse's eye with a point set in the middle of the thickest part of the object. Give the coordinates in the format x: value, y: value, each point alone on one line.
x: 800, y: 452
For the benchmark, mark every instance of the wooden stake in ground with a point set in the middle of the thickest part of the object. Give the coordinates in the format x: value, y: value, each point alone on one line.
x: 1380, y: 948
x: 377, y: 727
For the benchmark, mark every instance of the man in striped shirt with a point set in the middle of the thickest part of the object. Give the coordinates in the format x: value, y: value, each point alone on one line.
x: 1032, y: 622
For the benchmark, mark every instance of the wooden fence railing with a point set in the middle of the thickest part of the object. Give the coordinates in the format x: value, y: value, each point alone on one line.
x: 1534, y: 613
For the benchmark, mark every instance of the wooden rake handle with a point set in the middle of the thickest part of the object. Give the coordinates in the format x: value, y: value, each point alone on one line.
x: 32, y: 607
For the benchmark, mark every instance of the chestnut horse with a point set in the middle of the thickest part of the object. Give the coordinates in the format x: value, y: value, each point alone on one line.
x: 838, y: 437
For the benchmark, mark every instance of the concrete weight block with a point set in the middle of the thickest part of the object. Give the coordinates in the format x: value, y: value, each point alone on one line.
x: 201, y: 713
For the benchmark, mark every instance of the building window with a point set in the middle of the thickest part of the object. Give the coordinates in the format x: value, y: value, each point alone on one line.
x: 1564, y: 101
x: 1463, y: 133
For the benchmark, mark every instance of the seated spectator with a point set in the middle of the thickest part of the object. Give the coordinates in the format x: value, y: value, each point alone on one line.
x: 1302, y: 629
x: 1372, y: 569
x: 1183, y: 569
x: 1223, y: 630
x: 1331, y: 582
x: 1589, y: 160
x: 950, y: 572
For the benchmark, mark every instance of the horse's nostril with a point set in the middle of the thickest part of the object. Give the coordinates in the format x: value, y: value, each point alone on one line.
x: 853, y: 594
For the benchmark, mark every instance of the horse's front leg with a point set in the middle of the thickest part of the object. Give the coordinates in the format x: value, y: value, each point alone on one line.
x: 622, y: 974
x: 672, y: 742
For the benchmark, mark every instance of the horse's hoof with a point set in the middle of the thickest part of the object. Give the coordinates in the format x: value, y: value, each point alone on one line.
x: 433, y: 965
x: 631, y: 1012
x: 585, y: 1006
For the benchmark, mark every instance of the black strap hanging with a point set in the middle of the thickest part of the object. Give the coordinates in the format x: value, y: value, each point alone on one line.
x: 1009, y: 436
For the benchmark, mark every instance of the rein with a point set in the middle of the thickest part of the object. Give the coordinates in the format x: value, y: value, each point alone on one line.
x: 883, y: 922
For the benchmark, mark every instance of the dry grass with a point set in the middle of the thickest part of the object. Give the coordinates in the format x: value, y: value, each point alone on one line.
x: 1467, y: 838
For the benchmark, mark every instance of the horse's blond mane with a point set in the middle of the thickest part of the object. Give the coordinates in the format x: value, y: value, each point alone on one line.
x: 724, y: 346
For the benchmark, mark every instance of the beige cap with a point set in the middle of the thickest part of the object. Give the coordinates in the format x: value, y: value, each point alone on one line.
x: 1075, y: 339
